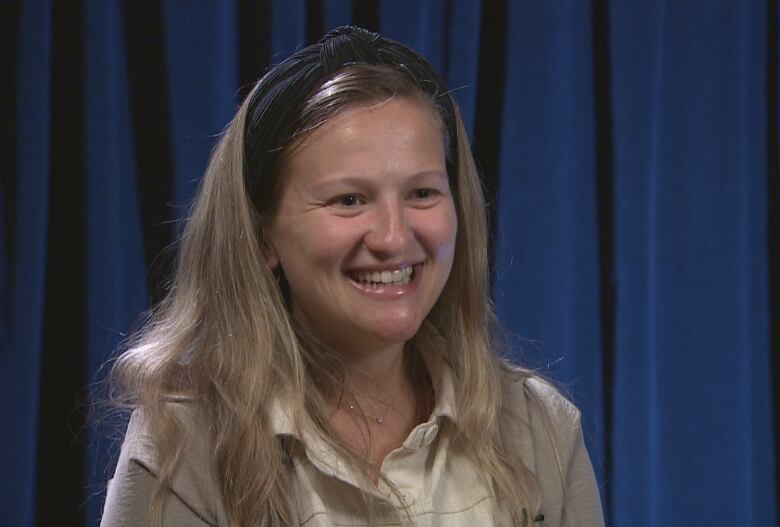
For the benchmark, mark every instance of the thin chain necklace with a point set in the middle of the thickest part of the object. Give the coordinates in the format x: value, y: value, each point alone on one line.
x: 380, y: 419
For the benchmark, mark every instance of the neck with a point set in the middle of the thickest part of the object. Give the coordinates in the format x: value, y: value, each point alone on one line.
x: 377, y: 373
x: 370, y: 364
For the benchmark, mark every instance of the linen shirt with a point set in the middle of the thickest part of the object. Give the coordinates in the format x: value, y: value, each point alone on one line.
x: 436, y: 483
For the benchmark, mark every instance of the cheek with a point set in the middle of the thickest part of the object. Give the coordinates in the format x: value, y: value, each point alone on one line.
x: 315, y: 245
x: 440, y: 231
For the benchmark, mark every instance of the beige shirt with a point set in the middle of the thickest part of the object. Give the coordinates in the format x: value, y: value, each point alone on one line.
x: 436, y: 481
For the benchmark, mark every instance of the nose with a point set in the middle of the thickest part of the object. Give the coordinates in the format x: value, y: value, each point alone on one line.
x: 389, y: 232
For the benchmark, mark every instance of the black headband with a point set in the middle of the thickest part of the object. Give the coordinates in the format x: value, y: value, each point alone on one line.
x: 282, y: 91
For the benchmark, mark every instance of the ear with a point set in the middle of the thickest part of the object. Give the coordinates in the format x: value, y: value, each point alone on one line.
x: 270, y: 254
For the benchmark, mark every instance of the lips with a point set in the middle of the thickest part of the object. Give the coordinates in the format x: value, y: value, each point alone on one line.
x: 398, y: 278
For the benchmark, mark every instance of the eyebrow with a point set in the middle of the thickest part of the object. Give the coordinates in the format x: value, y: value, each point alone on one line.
x: 358, y: 181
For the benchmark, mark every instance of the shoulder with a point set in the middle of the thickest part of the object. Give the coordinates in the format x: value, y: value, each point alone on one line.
x: 542, y: 427
x: 538, y: 422
x: 527, y: 395
x: 141, y: 441
x: 193, y: 488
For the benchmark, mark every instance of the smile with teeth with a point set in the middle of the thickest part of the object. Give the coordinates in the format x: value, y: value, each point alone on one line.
x: 395, y: 277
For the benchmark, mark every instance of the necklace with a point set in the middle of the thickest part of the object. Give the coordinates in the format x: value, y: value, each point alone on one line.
x: 378, y: 418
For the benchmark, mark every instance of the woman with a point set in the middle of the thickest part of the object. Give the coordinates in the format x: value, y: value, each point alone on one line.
x: 324, y: 355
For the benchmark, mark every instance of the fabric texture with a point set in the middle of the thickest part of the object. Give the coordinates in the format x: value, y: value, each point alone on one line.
x: 435, y: 481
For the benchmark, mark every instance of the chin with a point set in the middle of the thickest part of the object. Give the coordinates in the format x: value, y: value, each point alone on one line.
x: 397, y: 333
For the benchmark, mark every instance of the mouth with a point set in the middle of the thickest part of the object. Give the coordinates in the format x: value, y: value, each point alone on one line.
x: 387, y: 278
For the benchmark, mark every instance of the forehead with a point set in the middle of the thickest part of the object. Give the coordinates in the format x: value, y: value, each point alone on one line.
x: 389, y: 133
x: 415, y: 102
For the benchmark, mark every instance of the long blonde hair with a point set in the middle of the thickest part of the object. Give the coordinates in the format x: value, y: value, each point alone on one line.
x: 223, y: 336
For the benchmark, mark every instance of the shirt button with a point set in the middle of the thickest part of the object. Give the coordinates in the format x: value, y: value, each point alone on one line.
x: 430, y: 435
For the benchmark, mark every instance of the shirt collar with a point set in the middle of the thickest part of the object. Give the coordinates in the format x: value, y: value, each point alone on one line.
x: 443, y: 384
x: 283, y: 423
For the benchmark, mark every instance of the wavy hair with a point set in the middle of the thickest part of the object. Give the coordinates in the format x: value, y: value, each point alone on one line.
x: 223, y: 336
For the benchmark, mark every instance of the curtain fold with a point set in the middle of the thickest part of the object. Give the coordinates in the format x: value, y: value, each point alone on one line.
x: 289, y: 27
x: 21, y: 353
x: 692, y: 391
x: 462, y: 59
x: 116, y: 291
x: 201, y: 66
x: 630, y: 156
x: 547, y: 248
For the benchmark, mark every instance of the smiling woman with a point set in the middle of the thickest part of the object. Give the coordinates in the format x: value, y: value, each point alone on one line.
x: 325, y: 354
x: 366, y: 224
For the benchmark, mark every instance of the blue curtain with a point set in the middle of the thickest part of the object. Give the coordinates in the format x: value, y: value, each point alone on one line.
x: 630, y: 154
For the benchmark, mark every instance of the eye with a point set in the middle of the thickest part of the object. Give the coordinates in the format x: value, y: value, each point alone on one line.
x: 347, y: 200
x: 424, y: 193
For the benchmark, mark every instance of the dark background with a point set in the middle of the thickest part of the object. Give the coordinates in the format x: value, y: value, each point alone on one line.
x: 630, y: 154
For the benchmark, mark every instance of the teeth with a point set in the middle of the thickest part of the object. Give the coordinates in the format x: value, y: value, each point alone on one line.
x: 372, y: 278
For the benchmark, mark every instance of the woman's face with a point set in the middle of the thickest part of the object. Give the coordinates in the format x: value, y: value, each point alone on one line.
x: 365, y: 228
